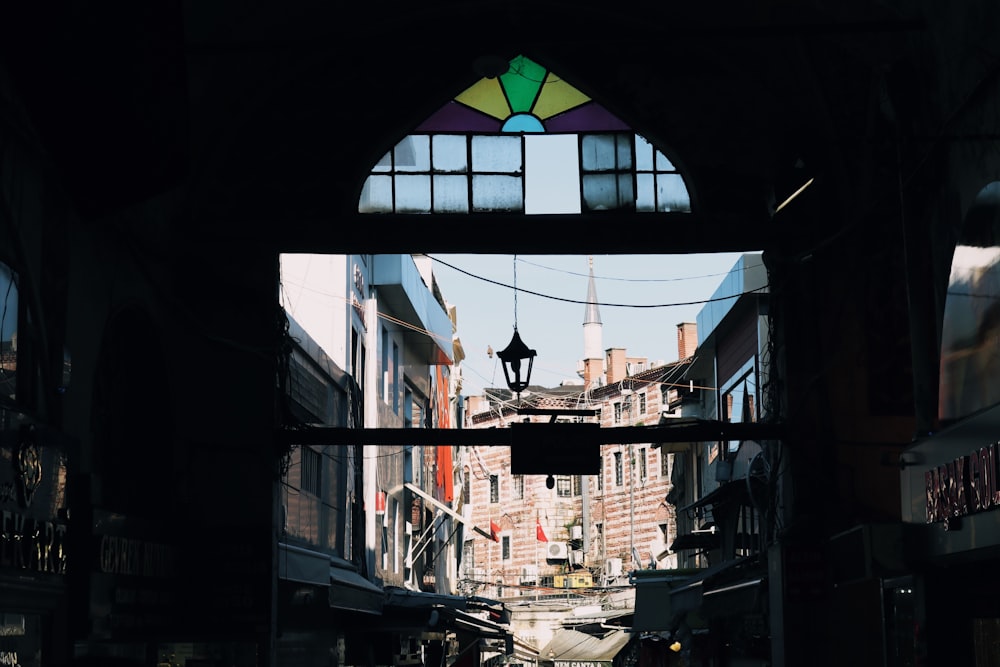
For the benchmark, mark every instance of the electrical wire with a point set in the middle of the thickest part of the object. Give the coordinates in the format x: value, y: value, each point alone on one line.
x: 676, y: 304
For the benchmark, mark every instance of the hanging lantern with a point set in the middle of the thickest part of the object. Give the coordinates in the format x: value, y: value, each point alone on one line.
x: 513, y: 357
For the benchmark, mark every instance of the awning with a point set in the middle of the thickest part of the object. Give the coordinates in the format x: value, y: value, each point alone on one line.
x: 697, y: 541
x: 729, y: 588
x: 653, y: 602
x: 352, y: 592
x: 419, y: 611
x: 570, y: 648
x: 737, y: 492
x: 304, y: 566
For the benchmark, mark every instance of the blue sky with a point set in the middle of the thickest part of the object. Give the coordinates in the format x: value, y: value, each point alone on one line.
x: 642, y: 297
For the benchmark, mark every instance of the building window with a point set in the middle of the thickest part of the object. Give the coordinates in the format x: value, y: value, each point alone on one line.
x: 494, y: 489
x: 577, y: 485
x: 642, y: 463
x: 384, y: 389
x: 618, y: 413
x: 642, y: 403
x: 618, y: 469
x: 394, y: 385
x: 664, y: 464
x: 466, y: 486
x: 600, y: 476
x: 312, y: 467
x: 664, y: 397
x: 518, y: 487
x: 505, y: 546
x: 563, y: 486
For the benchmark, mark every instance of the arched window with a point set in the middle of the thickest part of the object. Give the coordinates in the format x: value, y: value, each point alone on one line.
x: 523, y: 142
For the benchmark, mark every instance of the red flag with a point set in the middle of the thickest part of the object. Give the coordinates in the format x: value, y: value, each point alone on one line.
x: 494, y: 531
x: 539, y: 533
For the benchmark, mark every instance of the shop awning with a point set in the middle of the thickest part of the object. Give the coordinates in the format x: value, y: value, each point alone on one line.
x: 304, y: 566
x: 419, y: 611
x: 653, y: 602
x: 697, y: 541
x: 736, y: 492
x: 570, y: 648
x: 729, y: 588
x: 352, y: 592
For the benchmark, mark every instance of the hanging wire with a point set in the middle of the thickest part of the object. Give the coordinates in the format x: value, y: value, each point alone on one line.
x: 515, y: 291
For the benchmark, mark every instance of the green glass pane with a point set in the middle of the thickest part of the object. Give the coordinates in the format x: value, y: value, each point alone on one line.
x: 522, y: 82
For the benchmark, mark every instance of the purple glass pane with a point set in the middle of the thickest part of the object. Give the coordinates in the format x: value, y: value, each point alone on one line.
x: 455, y: 117
x: 590, y: 117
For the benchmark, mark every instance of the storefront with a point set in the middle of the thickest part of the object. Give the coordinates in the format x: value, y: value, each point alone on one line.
x: 146, y: 592
x: 34, y: 552
x: 951, y: 498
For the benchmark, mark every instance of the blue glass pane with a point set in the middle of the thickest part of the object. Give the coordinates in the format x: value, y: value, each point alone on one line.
x: 496, y: 154
x: 671, y: 195
x: 643, y: 154
x: 413, y: 194
x: 523, y: 122
x: 376, y: 195
x: 645, y: 196
x: 497, y: 193
x: 384, y: 163
x: 623, y: 158
x: 451, y: 194
x: 597, y: 152
x: 413, y: 153
x: 662, y: 163
x: 450, y: 153
x: 600, y: 192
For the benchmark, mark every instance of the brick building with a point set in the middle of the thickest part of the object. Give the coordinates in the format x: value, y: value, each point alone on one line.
x: 576, y: 531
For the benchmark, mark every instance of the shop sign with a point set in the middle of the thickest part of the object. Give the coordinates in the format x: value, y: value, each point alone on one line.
x: 582, y: 663
x: 965, y: 485
x: 32, y: 536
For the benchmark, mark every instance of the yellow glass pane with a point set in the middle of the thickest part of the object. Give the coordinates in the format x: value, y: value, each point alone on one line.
x: 556, y: 97
x: 486, y: 96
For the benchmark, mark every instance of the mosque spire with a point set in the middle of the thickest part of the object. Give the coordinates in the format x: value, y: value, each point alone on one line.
x: 593, y: 346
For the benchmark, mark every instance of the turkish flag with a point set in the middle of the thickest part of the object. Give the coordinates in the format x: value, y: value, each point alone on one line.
x: 494, y: 531
x: 539, y: 533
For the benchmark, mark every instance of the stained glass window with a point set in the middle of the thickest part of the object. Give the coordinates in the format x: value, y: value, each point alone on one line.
x: 526, y: 141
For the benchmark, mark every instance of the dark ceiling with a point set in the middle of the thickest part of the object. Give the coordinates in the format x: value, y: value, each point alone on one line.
x: 273, y: 111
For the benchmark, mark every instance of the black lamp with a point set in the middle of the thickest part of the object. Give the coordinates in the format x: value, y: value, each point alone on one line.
x: 516, y: 353
x: 513, y: 357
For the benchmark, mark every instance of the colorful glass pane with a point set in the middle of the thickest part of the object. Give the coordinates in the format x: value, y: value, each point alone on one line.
x: 526, y: 91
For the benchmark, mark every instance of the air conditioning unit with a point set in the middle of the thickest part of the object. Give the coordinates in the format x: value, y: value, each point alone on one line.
x: 576, y: 532
x: 613, y: 567
x: 557, y: 551
x: 529, y: 574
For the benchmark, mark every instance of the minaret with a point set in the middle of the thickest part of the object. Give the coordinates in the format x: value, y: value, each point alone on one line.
x: 593, y: 344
